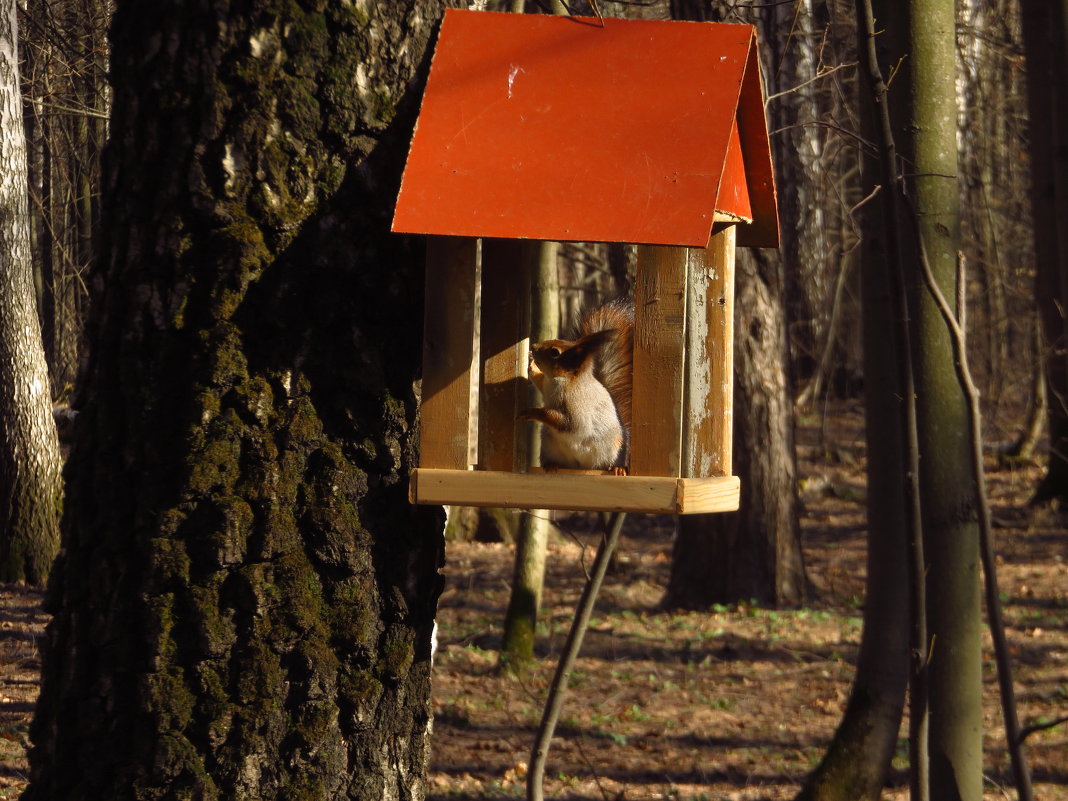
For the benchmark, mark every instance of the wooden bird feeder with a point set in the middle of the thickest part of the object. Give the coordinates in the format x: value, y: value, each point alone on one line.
x: 559, y: 128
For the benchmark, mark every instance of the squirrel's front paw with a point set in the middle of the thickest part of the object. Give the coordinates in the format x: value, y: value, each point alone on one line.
x: 527, y: 415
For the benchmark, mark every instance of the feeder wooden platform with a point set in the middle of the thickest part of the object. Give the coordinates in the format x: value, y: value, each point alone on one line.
x: 644, y: 494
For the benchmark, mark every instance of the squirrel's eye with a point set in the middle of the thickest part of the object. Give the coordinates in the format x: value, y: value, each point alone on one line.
x: 554, y: 353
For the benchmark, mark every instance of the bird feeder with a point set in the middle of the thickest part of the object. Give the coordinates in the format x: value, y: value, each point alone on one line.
x: 567, y: 129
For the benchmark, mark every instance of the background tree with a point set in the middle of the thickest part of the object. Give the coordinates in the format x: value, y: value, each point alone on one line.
x: 995, y: 241
x: 857, y: 760
x: 532, y: 534
x: 31, y: 488
x: 1045, y: 30
x: 997, y: 245
x: 923, y: 112
x: 245, y: 604
x: 755, y: 552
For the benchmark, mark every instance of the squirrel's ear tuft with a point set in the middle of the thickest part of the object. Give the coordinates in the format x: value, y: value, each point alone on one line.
x: 574, y: 357
x: 598, y: 339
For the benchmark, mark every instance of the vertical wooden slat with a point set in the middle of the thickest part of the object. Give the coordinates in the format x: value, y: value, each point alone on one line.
x: 722, y: 250
x: 659, y: 342
x: 448, y: 327
x: 504, y: 344
x: 710, y: 358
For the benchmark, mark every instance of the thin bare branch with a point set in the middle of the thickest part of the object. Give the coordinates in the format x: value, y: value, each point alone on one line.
x: 84, y: 111
x: 1037, y: 727
x: 823, y: 74
x: 869, y: 146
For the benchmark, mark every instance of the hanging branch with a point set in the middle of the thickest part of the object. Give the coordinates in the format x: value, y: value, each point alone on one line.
x: 919, y: 688
x: 555, y: 700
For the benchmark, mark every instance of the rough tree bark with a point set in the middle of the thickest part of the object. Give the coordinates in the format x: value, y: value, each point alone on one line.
x: 31, y: 488
x: 245, y: 604
x: 793, y: 42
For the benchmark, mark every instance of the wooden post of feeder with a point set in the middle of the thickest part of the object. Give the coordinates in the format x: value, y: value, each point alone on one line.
x: 683, y: 359
x: 710, y: 358
x: 503, y: 348
x: 448, y: 331
x: 659, y: 349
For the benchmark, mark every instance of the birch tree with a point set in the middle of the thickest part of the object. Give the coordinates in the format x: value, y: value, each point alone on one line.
x: 30, y: 483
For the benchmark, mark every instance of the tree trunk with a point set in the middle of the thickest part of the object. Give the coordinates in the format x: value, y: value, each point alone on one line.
x: 792, y: 44
x: 31, y: 488
x: 1037, y: 412
x: 245, y: 604
x: 858, y: 758
x: 1045, y: 29
x: 755, y: 552
x: 925, y: 120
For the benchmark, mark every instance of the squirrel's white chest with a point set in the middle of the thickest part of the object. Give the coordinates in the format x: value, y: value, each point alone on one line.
x: 594, y: 437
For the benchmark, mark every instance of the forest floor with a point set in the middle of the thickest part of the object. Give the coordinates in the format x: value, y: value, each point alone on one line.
x: 735, y: 703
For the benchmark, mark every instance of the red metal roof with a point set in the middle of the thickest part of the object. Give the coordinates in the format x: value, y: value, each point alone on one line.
x: 545, y: 127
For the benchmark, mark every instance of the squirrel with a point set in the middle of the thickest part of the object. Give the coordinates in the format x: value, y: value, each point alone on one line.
x: 586, y: 387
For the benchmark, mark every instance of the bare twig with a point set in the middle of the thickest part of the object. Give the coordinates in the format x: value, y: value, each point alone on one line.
x: 812, y: 389
x: 861, y: 203
x: 580, y: 742
x: 756, y: 4
x: 1037, y: 727
x: 570, y: 534
x: 803, y: 84
x: 84, y: 111
x: 1024, y: 447
x: 869, y: 146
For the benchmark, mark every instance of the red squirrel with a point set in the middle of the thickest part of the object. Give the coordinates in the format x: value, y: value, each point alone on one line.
x: 586, y: 387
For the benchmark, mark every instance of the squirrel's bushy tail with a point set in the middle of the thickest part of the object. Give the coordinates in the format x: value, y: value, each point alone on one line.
x: 613, y: 363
